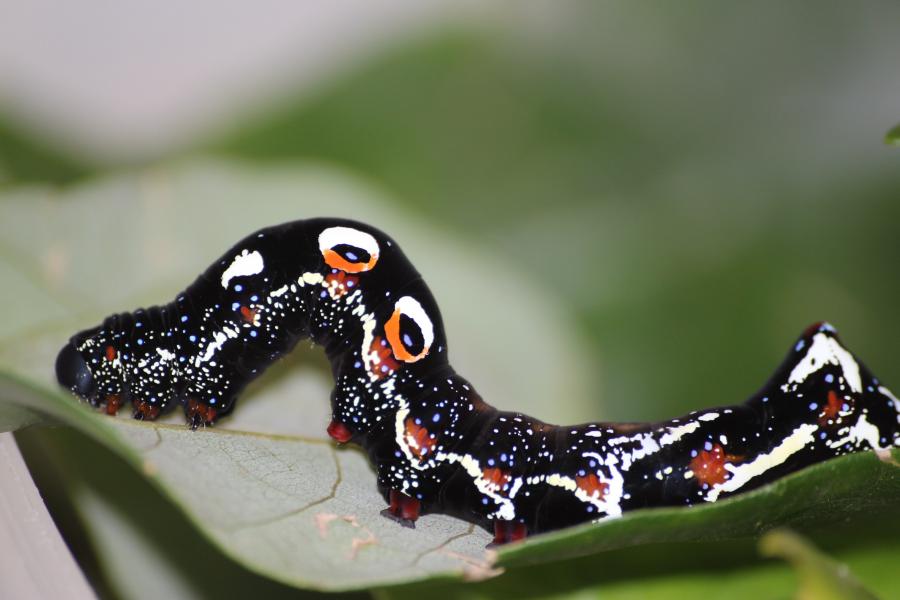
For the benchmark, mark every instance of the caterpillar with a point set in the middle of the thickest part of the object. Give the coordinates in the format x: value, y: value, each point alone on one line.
x: 436, y: 445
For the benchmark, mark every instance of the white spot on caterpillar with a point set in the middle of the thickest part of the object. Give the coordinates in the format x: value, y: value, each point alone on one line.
x: 243, y: 264
x: 741, y: 474
x: 219, y: 339
x: 400, y: 432
x: 673, y: 434
x: 862, y: 431
x: 370, y: 359
x: 335, y: 236
x: 826, y: 350
x: 649, y: 444
x: 165, y: 355
x: 310, y: 278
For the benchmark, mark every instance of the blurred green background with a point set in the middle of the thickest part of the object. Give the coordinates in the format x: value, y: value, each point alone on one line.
x: 694, y: 183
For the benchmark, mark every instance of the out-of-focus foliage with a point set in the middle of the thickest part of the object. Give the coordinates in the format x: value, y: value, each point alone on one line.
x: 893, y: 136
x: 820, y: 577
x: 24, y: 159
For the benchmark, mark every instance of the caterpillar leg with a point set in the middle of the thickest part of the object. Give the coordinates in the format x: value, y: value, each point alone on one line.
x: 150, y: 398
x: 339, y: 432
x: 508, y: 531
x: 199, y: 413
x: 403, y: 509
x: 143, y: 410
x: 111, y: 403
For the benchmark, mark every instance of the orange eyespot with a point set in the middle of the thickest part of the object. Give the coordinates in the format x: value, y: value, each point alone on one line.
x: 347, y: 249
x: 336, y: 261
x: 392, y: 331
x: 110, y: 353
x: 409, y: 331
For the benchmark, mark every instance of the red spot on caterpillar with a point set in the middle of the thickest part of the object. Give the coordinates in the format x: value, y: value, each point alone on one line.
x: 709, y: 465
x: 143, y: 410
x: 831, y: 408
x: 592, y: 486
x: 386, y: 364
x: 249, y: 314
x: 496, y: 477
x: 419, y: 440
x: 509, y: 531
x: 339, y: 283
x: 339, y: 432
x: 110, y: 353
x: 113, y: 404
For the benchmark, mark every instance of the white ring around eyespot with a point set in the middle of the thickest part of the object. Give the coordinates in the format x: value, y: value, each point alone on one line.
x: 409, y: 306
x: 335, y: 236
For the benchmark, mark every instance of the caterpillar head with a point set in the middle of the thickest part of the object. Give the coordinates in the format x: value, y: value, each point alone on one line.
x: 91, y: 366
x: 73, y: 373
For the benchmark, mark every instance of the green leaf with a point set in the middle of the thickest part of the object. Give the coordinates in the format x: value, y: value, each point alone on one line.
x: 821, y: 578
x: 892, y: 137
x: 264, y: 485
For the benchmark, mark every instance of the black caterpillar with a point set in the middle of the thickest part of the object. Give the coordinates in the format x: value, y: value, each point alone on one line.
x: 437, y: 446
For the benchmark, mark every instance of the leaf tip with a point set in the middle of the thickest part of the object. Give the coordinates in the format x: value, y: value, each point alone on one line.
x: 819, y: 576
